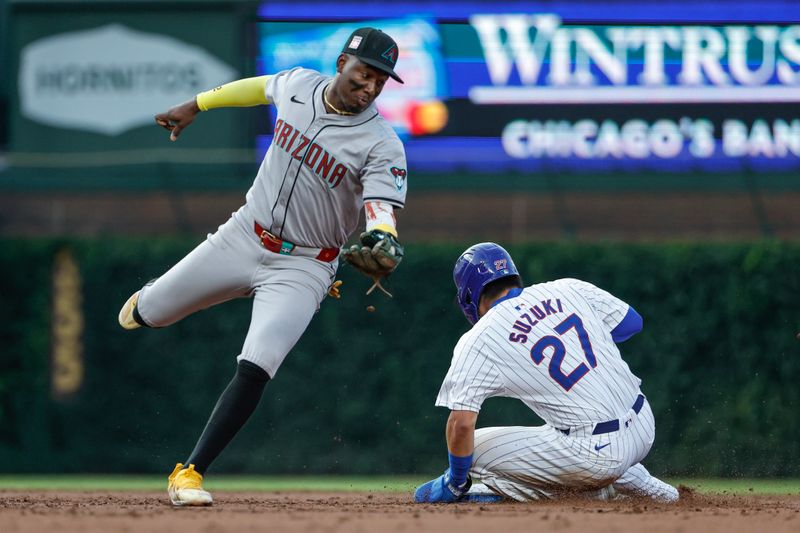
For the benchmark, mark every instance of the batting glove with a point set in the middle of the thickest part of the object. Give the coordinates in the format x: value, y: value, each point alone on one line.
x: 441, y: 490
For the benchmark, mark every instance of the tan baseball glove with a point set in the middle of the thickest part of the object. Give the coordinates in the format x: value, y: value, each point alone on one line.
x: 376, y: 257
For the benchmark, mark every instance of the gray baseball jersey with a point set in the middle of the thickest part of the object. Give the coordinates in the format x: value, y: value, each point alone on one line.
x: 318, y: 171
x: 321, y: 167
x: 551, y: 347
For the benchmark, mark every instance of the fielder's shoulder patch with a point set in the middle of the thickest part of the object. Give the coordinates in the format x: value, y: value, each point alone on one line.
x: 399, y: 175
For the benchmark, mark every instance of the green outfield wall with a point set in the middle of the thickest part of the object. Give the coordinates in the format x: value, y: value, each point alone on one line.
x: 718, y: 357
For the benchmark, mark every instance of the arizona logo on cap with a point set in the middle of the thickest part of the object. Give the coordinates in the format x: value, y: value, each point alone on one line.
x: 390, y: 54
x: 374, y: 48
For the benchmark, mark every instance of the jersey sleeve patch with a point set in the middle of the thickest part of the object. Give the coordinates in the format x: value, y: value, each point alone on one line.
x: 399, y: 175
x: 384, y: 175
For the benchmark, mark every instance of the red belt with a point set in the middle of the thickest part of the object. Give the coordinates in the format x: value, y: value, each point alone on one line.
x: 279, y: 246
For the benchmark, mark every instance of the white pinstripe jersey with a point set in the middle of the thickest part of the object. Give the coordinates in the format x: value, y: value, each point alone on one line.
x: 321, y: 167
x: 551, y: 348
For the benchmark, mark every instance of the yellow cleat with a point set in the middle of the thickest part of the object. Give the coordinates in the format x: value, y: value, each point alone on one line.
x: 126, y: 319
x: 185, y: 487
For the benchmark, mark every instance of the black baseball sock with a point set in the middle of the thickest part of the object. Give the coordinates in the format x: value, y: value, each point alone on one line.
x: 234, y: 407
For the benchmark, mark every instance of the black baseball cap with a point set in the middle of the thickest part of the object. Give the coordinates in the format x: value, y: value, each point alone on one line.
x: 374, y: 48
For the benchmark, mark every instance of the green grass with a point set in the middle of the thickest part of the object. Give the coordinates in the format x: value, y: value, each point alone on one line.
x: 220, y: 482
x: 334, y: 483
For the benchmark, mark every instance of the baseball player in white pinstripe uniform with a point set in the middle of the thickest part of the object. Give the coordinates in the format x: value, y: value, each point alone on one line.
x: 331, y: 154
x: 553, y: 346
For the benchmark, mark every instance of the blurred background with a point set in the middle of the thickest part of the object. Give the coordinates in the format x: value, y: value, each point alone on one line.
x: 650, y: 147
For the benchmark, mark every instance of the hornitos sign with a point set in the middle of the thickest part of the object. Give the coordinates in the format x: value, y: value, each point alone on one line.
x: 646, y: 64
x: 111, y: 79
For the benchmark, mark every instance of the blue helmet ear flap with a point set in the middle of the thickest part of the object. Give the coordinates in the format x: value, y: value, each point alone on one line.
x: 462, y: 273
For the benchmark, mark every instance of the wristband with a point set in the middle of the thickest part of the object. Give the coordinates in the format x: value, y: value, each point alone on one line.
x: 459, y: 468
x: 380, y: 215
x: 386, y: 228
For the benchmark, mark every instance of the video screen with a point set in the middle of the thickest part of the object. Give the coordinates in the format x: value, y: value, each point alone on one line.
x: 575, y: 87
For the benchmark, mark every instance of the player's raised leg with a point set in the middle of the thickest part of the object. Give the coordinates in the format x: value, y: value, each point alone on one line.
x: 218, y: 269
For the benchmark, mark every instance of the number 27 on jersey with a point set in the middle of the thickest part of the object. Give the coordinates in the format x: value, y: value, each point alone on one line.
x: 572, y: 325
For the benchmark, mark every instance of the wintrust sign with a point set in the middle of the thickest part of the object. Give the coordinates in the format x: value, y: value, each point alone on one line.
x: 111, y: 79
x: 629, y: 64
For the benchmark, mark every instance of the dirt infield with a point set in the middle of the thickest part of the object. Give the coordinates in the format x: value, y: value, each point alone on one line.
x: 88, y: 512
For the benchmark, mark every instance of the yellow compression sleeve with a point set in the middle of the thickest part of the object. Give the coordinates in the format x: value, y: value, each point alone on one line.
x: 240, y: 93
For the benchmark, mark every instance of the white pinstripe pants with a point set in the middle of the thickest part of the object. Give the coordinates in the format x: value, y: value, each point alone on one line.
x: 532, y: 463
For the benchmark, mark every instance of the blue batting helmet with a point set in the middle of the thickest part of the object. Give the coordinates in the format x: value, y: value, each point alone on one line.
x: 478, y: 266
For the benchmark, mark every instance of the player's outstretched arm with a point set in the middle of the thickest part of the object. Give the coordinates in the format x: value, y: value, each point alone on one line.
x: 455, y: 482
x: 240, y: 93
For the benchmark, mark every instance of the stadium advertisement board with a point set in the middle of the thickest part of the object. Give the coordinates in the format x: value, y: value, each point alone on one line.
x: 111, y: 79
x: 601, y: 88
x: 87, y: 77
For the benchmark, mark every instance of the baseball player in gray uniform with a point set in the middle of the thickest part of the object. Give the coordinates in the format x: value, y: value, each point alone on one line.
x: 554, y: 347
x: 331, y: 155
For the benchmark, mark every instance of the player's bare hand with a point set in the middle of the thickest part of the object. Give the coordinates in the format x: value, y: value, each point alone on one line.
x: 178, y: 118
x: 334, y: 291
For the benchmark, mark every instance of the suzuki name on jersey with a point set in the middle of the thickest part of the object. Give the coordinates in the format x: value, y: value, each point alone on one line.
x: 314, y: 156
x: 525, y: 322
